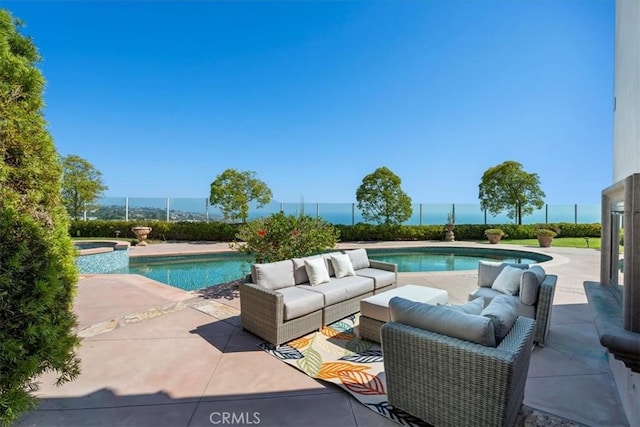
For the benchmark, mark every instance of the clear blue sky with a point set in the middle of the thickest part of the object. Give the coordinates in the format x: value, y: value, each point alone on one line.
x: 162, y: 96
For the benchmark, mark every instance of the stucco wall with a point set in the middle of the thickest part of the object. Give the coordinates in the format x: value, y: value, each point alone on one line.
x: 626, y: 123
x: 626, y: 157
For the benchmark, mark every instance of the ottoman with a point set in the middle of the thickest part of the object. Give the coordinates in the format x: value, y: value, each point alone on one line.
x: 374, y: 310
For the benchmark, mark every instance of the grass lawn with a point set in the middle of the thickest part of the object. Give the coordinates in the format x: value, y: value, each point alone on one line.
x: 563, y: 242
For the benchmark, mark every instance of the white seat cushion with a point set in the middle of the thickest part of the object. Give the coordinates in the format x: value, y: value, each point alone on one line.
x: 377, y: 306
x: 299, y: 302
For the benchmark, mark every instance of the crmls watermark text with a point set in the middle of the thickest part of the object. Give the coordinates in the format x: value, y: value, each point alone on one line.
x: 231, y: 418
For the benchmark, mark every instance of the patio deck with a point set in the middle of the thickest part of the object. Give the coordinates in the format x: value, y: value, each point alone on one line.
x: 153, y: 355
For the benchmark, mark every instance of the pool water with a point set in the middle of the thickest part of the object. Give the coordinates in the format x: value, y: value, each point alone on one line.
x: 193, y: 272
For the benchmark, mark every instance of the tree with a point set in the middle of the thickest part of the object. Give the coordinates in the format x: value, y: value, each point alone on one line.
x: 508, y: 187
x: 37, y: 266
x: 232, y: 191
x: 381, y: 199
x: 81, y: 184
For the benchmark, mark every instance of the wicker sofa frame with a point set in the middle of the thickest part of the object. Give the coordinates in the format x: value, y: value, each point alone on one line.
x: 262, y: 310
x: 446, y: 381
x: 543, y: 309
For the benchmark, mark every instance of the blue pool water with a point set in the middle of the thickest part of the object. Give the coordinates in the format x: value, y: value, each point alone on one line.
x: 194, y: 272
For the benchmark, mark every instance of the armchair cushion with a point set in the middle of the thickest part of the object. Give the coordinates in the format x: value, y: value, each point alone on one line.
x: 489, y: 270
x: 502, y: 311
x: 472, y: 307
x: 443, y: 320
x: 530, y: 284
x: 508, y: 281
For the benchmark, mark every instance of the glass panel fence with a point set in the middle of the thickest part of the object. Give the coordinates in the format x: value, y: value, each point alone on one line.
x: 198, y: 209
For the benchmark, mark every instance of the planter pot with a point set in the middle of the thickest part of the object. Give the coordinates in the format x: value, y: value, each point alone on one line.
x: 545, y: 241
x: 141, y: 234
x: 494, y: 238
x: 449, y: 236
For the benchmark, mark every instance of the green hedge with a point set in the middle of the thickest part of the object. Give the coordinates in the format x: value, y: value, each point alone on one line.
x: 160, y: 230
x: 367, y: 232
x: 219, y: 231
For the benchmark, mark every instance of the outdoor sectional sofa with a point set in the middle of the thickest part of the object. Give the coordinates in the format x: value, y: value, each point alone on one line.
x: 288, y: 299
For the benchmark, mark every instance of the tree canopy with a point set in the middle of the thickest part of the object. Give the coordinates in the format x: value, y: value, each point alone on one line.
x: 37, y: 266
x: 381, y: 199
x: 232, y: 191
x: 81, y: 184
x: 507, y: 187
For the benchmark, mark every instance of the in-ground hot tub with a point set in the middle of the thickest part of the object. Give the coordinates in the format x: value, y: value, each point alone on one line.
x: 101, y: 256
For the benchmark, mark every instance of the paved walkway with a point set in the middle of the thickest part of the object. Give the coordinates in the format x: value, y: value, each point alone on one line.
x: 153, y: 355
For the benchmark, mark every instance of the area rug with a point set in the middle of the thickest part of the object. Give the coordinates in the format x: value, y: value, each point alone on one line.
x: 336, y: 354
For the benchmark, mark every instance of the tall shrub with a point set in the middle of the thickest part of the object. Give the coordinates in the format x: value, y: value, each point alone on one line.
x: 37, y: 269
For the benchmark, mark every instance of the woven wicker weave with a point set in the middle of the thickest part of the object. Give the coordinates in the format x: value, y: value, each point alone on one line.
x: 262, y: 311
x: 446, y: 381
x: 543, y: 308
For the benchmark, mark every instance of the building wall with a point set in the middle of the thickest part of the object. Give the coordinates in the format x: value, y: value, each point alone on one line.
x: 626, y: 116
x: 626, y: 162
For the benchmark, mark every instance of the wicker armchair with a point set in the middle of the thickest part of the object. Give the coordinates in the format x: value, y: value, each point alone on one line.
x: 540, y: 311
x: 446, y: 381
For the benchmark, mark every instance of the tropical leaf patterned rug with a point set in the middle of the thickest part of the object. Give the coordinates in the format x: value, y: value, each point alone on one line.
x: 336, y: 354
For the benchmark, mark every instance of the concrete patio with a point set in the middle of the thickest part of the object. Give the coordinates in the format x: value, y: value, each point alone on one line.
x: 153, y: 355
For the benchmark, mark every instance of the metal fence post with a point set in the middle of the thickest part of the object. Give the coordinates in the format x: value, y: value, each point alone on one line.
x: 420, y: 214
x: 206, y: 209
x: 546, y: 214
x: 167, y: 209
x: 126, y: 209
x: 575, y: 213
x: 353, y: 214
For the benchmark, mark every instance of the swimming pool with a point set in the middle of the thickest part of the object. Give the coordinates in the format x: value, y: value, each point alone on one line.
x: 193, y: 272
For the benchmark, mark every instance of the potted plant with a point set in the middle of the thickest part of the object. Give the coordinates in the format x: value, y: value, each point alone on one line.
x: 494, y: 235
x: 545, y: 237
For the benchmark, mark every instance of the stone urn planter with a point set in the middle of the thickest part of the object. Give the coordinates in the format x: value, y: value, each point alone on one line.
x: 545, y: 237
x: 449, y: 236
x: 494, y: 235
x: 141, y: 233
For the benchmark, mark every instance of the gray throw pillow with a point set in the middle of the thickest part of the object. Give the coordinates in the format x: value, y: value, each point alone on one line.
x: 502, y: 312
x: 443, y: 320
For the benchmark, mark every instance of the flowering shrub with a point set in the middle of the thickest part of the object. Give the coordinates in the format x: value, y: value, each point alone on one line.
x: 279, y: 237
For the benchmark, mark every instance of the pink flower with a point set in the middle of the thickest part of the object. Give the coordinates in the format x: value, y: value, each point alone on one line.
x: 262, y: 233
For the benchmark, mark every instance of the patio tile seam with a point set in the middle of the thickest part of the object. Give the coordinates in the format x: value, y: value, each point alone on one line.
x: 586, y: 374
x: 271, y: 395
